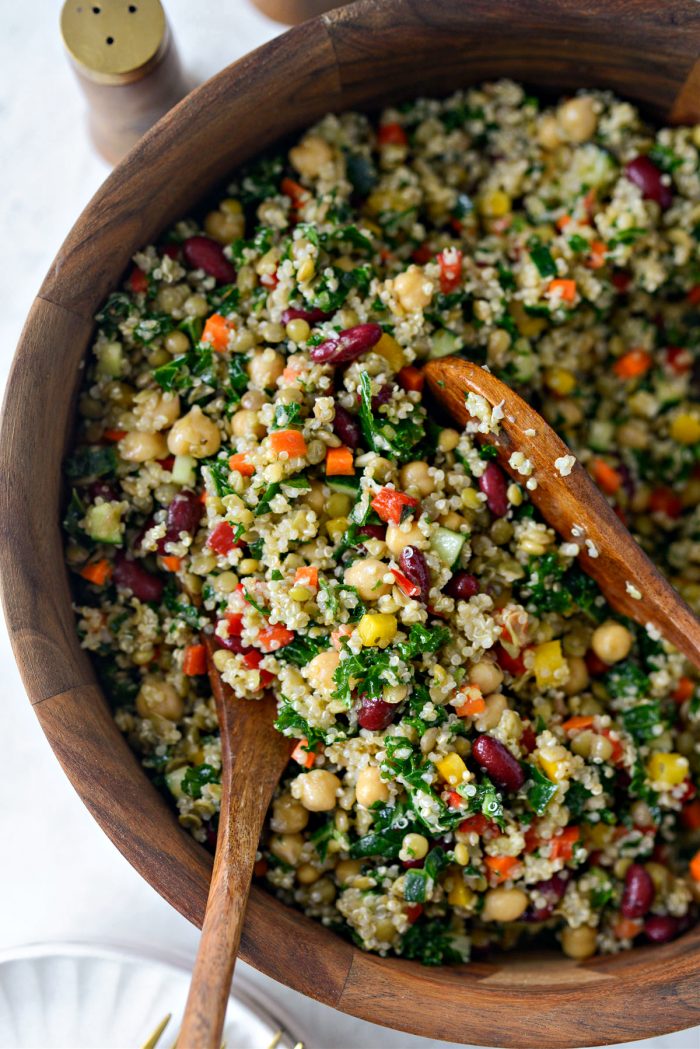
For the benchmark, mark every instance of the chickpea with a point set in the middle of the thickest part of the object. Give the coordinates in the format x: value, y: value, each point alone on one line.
x: 489, y: 718
x: 579, y: 943
x: 611, y: 641
x: 253, y: 400
x: 319, y: 672
x: 317, y: 790
x: 171, y: 298
x: 413, y: 289
x: 139, y: 447
x: 548, y: 132
x: 367, y: 575
x: 224, y: 226
x: 316, y: 498
x: 245, y: 423
x: 176, y: 342
x: 385, y: 931
x: 416, y: 475
x: 288, y: 815
x: 504, y: 905
x: 601, y: 748
x: 346, y: 870
x: 488, y: 677
x: 578, y: 676
x: 370, y: 787
x: 397, y: 540
x: 265, y: 368
x: 307, y: 874
x: 311, y: 156
x: 158, y: 698
x: 577, y: 118
x: 633, y: 434
x: 155, y: 410
x: 194, y: 434
x: 323, y: 892
x: 448, y: 440
x: 196, y: 306
x: 414, y: 847
x: 394, y: 693
x: 287, y: 847
x: 660, y: 875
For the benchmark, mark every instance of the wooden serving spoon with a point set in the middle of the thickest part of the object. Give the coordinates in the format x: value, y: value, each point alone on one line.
x: 253, y: 757
x: 571, y: 504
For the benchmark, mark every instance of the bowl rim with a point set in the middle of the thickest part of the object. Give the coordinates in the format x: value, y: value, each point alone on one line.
x: 560, y: 1003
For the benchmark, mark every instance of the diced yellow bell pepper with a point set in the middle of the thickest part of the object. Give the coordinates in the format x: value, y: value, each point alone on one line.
x: 336, y: 526
x: 685, y: 428
x: 549, y: 659
x: 452, y: 769
x: 495, y: 204
x: 377, y: 629
x: 667, y: 769
x: 389, y: 349
x: 560, y: 380
x: 529, y: 327
x: 459, y: 895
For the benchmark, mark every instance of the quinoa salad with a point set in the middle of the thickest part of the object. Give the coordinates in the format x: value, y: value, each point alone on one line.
x: 484, y: 752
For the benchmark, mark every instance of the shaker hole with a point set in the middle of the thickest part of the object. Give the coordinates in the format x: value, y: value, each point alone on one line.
x: 109, y: 40
x: 96, y: 10
x: 133, y: 9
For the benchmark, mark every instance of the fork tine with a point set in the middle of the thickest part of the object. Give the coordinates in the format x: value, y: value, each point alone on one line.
x: 154, y: 1038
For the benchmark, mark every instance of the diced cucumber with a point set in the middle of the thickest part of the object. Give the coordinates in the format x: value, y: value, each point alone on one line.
x: 174, y: 781
x: 344, y: 485
x: 103, y: 522
x: 443, y: 343
x: 110, y: 359
x: 183, y: 470
x: 447, y: 545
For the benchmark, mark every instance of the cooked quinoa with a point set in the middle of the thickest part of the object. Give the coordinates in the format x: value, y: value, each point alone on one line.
x: 486, y: 751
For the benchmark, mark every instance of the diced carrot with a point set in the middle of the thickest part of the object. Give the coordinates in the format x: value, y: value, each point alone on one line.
x: 307, y: 576
x: 171, y: 563
x: 695, y: 866
x: 392, y: 505
x: 337, y: 635
x: 455, y: 800
x: 216, y: 332
x: 138, y: 281
x: 391, y: 135
x: 684, y: 690
x: 693, y: 295
x: 404, y: 583
x: 500, y: 867
x: 290, y: 375
x: 411, y: 378
x: 664, y: 500
x: 566, y: 289
x: 222, y: 538
x: 114, y: 435
x: 340, y: 462
x: 588, y: 202
x: 194, y: 661
x: 628, y: 928
x: 633, y: 364
x: 605, y: 476
x: 597, y: 253
x: 98, y: 572
x: 577, y: 723
x: 294, y: 191
x: 690, y: 815
x: 260, y: 868
x: 273, y: 637
x: 240, y: 464
x: 303, y: 756
x: 563, y: 221
x: 562, y: 846
x: 290, y: 441
x: 472, y: 705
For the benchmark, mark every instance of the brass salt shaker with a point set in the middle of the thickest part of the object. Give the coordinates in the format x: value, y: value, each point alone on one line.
x: 127, y: 65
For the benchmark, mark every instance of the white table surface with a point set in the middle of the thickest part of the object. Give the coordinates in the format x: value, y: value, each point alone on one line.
x: 61, y: 878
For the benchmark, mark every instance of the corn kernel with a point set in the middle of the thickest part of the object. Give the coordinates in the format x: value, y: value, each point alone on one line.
x: 548, y: 660
x: 338, y: 505
x: 470, y: 499
x: 515, y: 494
x: 494, y: 204
x: 306, y: 270
x: 377, y: 629
x: 685, y: 428
x: 298, y: 330
x: 461, y: 854
x: 560, y: 380
x: 667, y: 769
x: 452, y: 769
x: 248, y: 566
x: 300, y: 593
x: 336, y: 526
x: 459, y: 895
x: 529, y: 327
x: 414, y: 847
x: 389, y: 349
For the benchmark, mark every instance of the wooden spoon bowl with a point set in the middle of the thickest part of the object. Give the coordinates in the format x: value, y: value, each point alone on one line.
x: 362, y: 55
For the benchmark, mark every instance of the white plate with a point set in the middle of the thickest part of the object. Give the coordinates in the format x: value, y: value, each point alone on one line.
x: 85, y: 996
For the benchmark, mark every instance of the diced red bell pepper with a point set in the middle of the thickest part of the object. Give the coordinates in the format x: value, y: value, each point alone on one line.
x: 413, y: 912
x: 410, y: 589
x: 476, y: 824
x: 392, y: 505
x: 665, y: 501
x: 594, y: 664
x: 138, y: 281
x: 679, y: 359
x: 271, y: 638
x: 683, y: 690
x: 562, y: 846
x: 450, y: 262
x: 515, y: 665
x: 392, y: 135
x: 222, y: 539
x: 455, y: 800
x: 693, y: 295
x: 194, y: 661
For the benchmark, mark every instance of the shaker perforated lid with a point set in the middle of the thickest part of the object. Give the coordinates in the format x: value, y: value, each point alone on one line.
x: 114, y: 41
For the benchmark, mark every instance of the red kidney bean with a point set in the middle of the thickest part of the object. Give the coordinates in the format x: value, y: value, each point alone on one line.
x: 373, y: 531
x: 638, y: 893
x: 203, y: 253
x: 412, y: 864
x: 647, y: 177
x: 103, y: 490
x: 552, y: 889
x: 414, y: 566
x: 382, y: 396
x: 498, y: 762
x: 233, y: 644
x: 347, y: 427
x: 462, y: 586
x: 347, y: 345
x: 310, y: 316
x: 375, y: 714
x: 184, y: 515
x: 493, y: 484
x: 661, y: 928
x: 528, y: 739
x: 130, y: 575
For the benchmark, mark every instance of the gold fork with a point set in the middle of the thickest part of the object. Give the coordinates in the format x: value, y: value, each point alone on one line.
x: 153, y: 1039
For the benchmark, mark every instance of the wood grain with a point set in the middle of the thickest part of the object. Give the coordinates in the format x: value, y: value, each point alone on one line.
x: 572, y: 505
x: 247, y: 728
x: 360, y: 55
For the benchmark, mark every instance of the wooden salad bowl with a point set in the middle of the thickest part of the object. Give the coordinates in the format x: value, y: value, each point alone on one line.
x: 362, y: 55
